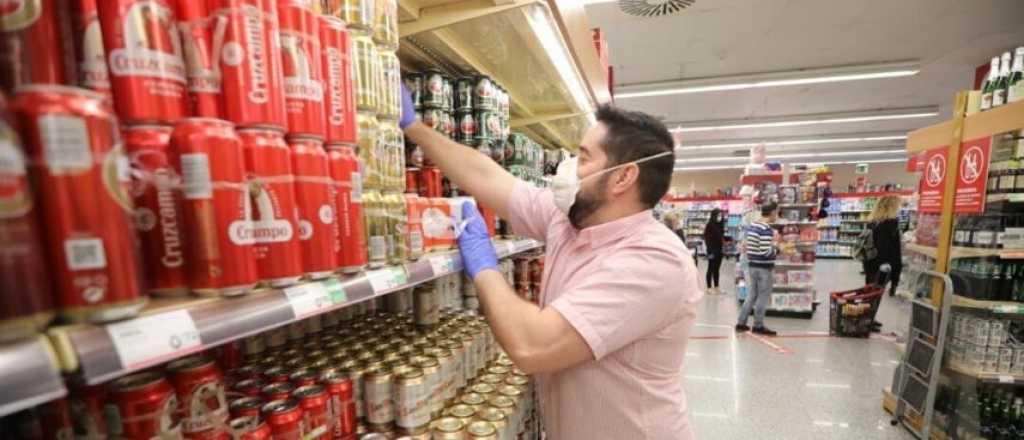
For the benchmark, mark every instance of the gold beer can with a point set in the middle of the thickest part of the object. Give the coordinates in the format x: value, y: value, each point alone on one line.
x: 449, y: 428
x: 367, y: 142
x: 389, y: 105
x: 376, y: 229
x: 359, y: 15
x: 366, y: 72
x: 385, y: 29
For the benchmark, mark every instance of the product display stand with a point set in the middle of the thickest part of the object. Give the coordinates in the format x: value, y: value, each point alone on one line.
x: 694, y: 213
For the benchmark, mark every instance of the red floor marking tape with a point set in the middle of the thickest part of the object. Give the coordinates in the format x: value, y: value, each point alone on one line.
x: 778, y: 348
x: 711, y: 337
x: 804, y: 335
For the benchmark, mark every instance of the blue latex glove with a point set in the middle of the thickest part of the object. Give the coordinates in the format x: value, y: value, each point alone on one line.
x: 408, y: 111
x: 474, y: 243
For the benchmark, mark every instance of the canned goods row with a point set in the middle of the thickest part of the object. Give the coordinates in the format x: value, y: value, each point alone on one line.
x: 433, y: 89
x: 382, y: 151
x: 266, y: 64
x: 377, y: 19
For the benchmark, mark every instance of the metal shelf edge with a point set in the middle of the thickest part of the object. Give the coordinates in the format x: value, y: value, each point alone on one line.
x: 230, y: 319
x: 30, y: 375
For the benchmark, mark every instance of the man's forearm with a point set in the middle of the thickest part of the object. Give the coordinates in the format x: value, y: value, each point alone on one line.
x: 471, y: 170
x: 538, y: 340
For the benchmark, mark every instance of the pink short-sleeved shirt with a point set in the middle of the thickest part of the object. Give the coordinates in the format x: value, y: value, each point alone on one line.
x: 630, y: 288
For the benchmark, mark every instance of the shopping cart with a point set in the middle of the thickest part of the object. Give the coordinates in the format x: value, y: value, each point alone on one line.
x: 852, y: 312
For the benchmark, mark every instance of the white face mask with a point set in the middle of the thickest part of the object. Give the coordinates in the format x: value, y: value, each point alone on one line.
x: 566, y: 183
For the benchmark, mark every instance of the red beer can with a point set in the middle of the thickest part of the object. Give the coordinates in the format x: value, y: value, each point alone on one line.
x: 31, y: 38
x: 277, y: 391
x: 250, y: 428
x: 230, y: 357
x: 81, y: 175
x: 303, y: 377
x: 313, y: 400
x: 339, y: 99
x: 147, y: 71
x: 87, y: 410
x: 27, y: 303
x: 275, y: 374
x: 271, y: 186
x: 89, y: 54
x: 200, y: 387
x: 314, y: 195
x: 285, y: 419
x: 196, y: 27
x: 412, y: 180
x: 143, y: 405
x: 302, y: 68
x: 157, y: 208
x: 344, y: 169
x: 245, y: 406
x: 342, y: 404
x: 208, y: 155
x: 432, y: 185
x: 55, y: 418
x: 249, y: 387
x: 250, y: 62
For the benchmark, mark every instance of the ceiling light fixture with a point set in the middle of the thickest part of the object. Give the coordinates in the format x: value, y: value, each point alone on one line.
x: 803, y: 120
x: 540, y: 19
x: 793, y: 156
x: 750, y: 143
x: 836, y: 162
x: 821, y: 75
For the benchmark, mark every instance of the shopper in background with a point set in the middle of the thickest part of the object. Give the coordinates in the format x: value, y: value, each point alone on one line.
x: 885, y: 234
x: 761, y: 247
x: 714, y: 242
x: 607, y: 341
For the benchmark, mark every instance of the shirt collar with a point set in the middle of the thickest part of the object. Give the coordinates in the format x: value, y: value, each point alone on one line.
x: 605, y: 233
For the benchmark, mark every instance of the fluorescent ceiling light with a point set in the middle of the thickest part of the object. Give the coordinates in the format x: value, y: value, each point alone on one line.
x: 837, y: 162
x: 793, y: 156
x: 834, y: 139
x: 543, y: 25
x: 770, y: 79
x: 804, y: 120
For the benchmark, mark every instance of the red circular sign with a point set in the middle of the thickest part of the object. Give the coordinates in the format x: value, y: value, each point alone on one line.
x: 935, y: 170
x: 971, y: 164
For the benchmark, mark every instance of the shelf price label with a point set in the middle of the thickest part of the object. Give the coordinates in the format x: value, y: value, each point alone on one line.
x: 154, y: 339
x: 1008, y: 308
x: 387, y: 279
x: 335, y: 290
x: 444, y: 264
x: 1003, y: 378
x: 308, y: 299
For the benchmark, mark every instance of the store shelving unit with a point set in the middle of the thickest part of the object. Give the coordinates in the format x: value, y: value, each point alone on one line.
x: 168, y: 330
x: 848, y: 218
x: 30, y: 376
x: 694, y: 213
x: 963, y: 386
x: 541, y: 52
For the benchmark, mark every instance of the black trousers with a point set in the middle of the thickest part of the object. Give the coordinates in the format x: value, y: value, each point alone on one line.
x: 871, y: 274
x: 714, y: 264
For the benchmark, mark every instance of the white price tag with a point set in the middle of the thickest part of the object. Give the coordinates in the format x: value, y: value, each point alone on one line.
x: 443, y: 264
x: 387, y: 279
x: 308, y: 299
x: 1004, y: 378
x: 154, y: 339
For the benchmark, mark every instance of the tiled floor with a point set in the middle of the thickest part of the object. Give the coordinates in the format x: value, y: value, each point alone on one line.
x: 800, y: 385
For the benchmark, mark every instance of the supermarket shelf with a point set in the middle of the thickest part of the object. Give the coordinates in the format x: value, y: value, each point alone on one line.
x: 832, y: 256
x: 521, y: 46
x: 930, y: 251
x: 30, y: 375
x: 1013, y: 198
x: 101, y: 353
x: 855, y: 221
x: 1009, y: 117
x: 854, y: 211
x: 1003, y: 378
x: 793, y: 223
x: 828, y: 226
x: 797, y: 205
x: 997, y: 307
x: 788, y: 265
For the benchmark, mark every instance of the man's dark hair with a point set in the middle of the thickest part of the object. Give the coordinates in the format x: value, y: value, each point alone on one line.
x: 769, y: 207
x: 633, y: 136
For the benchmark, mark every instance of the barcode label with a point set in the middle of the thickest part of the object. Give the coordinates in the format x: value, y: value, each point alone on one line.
x: 357, y: 188
x: 378, y: 248
x: 443, y: 264
x: 85, y: 253
x: 65, y: 142
x: 154, y: 339
x: 195, y: 173
x: 308, y: 299
x: 387, y: 279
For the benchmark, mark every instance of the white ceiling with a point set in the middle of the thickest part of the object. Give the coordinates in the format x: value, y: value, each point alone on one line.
x: 715, y: 38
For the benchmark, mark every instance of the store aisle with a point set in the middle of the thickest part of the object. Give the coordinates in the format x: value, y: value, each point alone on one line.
x: 800, y: 385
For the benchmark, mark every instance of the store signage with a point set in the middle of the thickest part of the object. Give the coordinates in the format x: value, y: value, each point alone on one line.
x: 933, y: 181
x: 972, y: 178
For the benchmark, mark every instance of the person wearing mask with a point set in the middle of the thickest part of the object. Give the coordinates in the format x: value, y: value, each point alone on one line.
x: 885, y: 235
x: 761, y: 247
x: 714, y: 242
x: 607, y: 340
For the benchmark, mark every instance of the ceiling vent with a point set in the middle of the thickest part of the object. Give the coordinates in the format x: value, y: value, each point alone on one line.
x: 653, y: 8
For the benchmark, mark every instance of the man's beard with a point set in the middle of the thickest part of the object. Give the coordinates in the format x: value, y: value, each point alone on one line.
x: 585, y: 205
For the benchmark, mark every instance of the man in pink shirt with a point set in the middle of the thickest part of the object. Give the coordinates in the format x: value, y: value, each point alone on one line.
x: 607, y: 342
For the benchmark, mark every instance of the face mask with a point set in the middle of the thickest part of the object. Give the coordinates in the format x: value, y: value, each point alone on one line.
x: 566, y: 184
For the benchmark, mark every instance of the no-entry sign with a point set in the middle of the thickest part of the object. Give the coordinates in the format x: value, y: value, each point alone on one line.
x: 933, y: 180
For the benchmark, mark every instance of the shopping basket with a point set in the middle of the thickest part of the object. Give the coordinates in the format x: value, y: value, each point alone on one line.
x: 851, y: 313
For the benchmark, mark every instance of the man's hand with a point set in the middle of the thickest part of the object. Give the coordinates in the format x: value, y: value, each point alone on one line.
x: 474, y: 243
x: 408, y: 110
